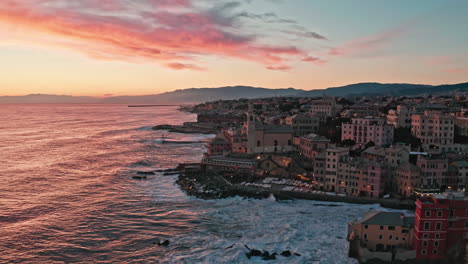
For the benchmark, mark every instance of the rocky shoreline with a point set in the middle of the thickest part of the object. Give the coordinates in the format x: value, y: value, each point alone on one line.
x: 186, y: 129
x: 212, y: 186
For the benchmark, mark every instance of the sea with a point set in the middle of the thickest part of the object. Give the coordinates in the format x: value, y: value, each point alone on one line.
x: 67, y: 195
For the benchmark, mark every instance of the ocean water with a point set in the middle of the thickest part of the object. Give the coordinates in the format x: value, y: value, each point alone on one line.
x: 67, y: 196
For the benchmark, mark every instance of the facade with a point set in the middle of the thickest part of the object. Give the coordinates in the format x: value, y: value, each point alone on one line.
x: 461, y: 124
x: 383, y: 231
x: 461, y: 168
x: 360, y: 177
x: 441, y: 226
x: 220, y: 145
x: 433, y: 128
x: 230, y: 165
x: 434, y: 173
x: 332, y: 158
x: 326, y: 106
x: 266, y: 138
x: 311, y: 145
x: 368, y: 129
x: 394, y: 157
x: 303, y: 124
x: 219, y: 118
x: 401, y: 117
x: 407, y: 178
x: 361, y: 111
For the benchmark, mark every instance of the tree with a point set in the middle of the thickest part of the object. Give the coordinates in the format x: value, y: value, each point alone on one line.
x: 369, y: 144
x: 348, y: 142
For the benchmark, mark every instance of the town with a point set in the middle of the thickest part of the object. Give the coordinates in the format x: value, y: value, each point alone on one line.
x: 408, y: 152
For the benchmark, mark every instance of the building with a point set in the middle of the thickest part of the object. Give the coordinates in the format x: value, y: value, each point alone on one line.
x: 434, y: 173
x: 361, y: 111
x: 220, y: 145
x: 461, y: 125
x: 368, y: 129
x: 326, y: 106
x: 360, y: 177
x: 441, y: 227
x: 311, y: 145
x: 383, y: 231
x: 332, y: 157
x: 230, y: 166
x: 433, y: 128
x: 266, y: 138
x: 401, y: 117
x: 219, y: 118
x: 407, y: 178
x: 394, y: 157
x: 461, y: 168
x: 303, y: 124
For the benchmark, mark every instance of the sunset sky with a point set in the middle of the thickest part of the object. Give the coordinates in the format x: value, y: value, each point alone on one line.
x: 135, y: 47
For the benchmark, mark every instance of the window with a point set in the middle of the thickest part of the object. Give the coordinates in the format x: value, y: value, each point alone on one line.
x: 439, y: 214
x: 396, y: 238
x: 437, y: 235
x: 404, y: 231
x: 423, y: 252
x: 428, y: 213
x: 436, y: 243
x: 466, y: 224
x: 381, y: 227
x: 427, y: 225
x: 365, y: 236
x: 380, y: 237
x: 424, y: 243
x: 390, y: 237
x: 391, y: 227
x: 439, y: 226
x: 435, y: 252
x: 366, y: 227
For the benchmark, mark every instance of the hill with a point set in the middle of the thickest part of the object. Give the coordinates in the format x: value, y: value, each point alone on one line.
x: 197, y: 95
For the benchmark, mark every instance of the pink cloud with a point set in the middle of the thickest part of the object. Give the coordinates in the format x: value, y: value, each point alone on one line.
x: 372, y: 44
x: 279, y: 68
x: 439, y: 60
x: 315, y: 60
x: 171, y: 39
x: 456, y: 70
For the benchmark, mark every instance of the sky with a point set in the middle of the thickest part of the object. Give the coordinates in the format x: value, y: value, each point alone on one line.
x: 136, y: 47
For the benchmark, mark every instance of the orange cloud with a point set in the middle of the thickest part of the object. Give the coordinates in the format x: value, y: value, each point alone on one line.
x: 171, y: 38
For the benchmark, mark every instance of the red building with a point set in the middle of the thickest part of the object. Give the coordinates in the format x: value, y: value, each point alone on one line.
x: 441, y: 226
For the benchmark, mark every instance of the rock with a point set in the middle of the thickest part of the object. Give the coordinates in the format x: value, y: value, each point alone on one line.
x: 297, y: 254
x: 267, y: 256
x: 136, y: 177
x: 256, y: 253
x: 165, y: 243
x: 286, y: 253
x: 231, y: 246
x: 145, y: 172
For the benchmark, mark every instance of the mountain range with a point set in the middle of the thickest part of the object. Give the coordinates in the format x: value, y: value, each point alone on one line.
x: 197, y: 95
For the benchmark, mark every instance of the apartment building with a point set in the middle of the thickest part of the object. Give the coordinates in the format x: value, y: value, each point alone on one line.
x: 368, y: 129
x: 433, y: 128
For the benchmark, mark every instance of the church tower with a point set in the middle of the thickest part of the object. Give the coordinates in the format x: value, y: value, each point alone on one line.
x: 251, y: 129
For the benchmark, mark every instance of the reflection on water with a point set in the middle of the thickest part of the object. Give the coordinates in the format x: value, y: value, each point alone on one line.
x: 66, y: 195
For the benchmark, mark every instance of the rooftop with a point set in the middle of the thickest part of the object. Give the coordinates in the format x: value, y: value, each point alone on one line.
x: 387, y: 218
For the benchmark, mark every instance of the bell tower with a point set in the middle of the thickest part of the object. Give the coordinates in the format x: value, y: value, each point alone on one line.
x: 251, y: 129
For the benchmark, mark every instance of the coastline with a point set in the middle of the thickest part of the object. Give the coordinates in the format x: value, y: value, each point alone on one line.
x: 196, y: 183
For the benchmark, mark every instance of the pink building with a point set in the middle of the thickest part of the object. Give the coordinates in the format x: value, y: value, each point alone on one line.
x: 311, y: 145
x: 433, y: 128
x: 364, y: 130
